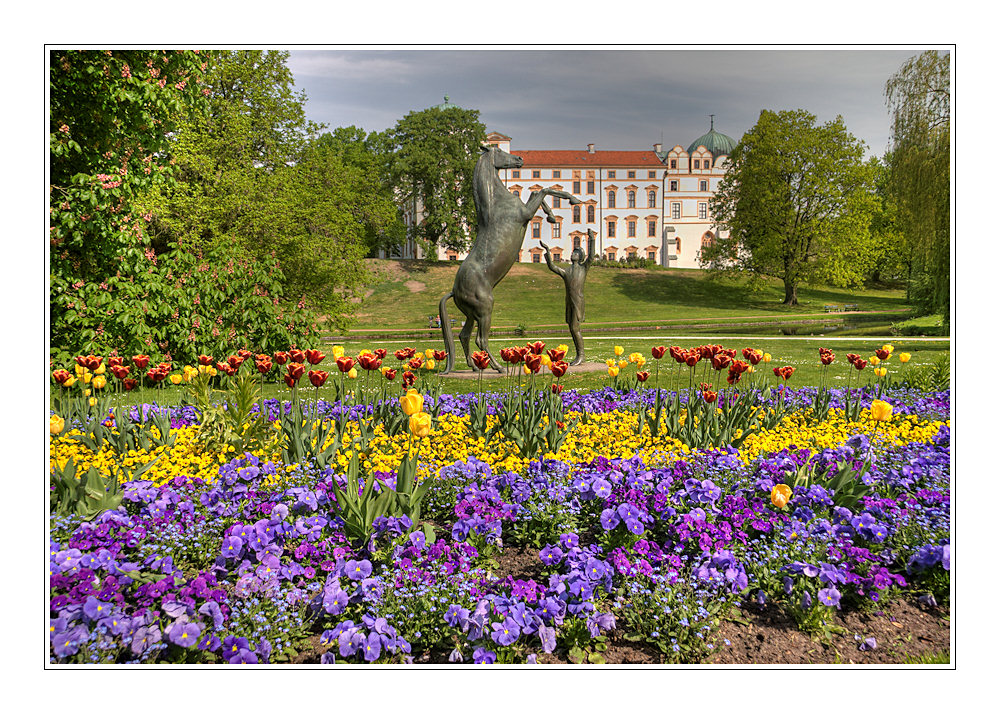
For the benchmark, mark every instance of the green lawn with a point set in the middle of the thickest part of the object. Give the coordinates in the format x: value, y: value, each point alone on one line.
x: 406, y: 292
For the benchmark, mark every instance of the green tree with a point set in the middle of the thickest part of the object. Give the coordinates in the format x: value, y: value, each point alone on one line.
x: 890, y: 254
x: 435, y: 153
x: 797, y: 202
x: 111, y: 113
x: 254, y: 174
x: 919, y: 101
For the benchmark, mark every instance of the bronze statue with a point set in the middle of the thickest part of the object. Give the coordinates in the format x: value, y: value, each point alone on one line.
x: 502, y: 222
x: 573, y: 277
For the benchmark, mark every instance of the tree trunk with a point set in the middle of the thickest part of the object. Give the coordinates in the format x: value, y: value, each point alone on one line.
x: 791, y: 293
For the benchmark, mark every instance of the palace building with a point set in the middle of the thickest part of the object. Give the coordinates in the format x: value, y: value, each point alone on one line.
x: 648, y: 204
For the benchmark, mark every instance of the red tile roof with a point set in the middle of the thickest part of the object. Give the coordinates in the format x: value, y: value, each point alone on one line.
x: 583, y: 157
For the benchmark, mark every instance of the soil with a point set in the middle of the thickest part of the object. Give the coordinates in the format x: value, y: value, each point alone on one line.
x: 415, y: 286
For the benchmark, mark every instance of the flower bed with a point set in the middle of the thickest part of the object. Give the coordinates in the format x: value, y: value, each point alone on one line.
x: 625, y: 537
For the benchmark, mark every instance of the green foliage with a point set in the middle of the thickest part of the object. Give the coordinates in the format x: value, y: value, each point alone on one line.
x: 231, y: 425
x: 360, y: 506
x: 919, y: 100
x: 184, y: 303
x: 931, y: 377
x: 435, y: 154
x: 304, y: 438
x: 846, y: 484
x: 127, y: 435
x: 797, y: 201
x: 87, y: 496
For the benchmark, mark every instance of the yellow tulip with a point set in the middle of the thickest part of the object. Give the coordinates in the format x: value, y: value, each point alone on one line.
x: 353, y: 374
x: 881, y: 411
x: 750, y: 368
x: 546, y: 360
x: 176, y: 379
x: 411, y: 402
x: 87, y: 377
x: 525, y: 368
x: 564, y: 348
x: 420, y: 424
x: 80, y: 370
x: 86, y: 392
x: 622, y: 364
x: 904, y: 357
x: 619, y: 350
x: 100, y: 370
x: 766, y: 358
x: 362, y: 353
x: 780, y: 495
x: 640, y: 362
x: 880, y: 371
x: 70, y: 382
x: 338, y: 351
x: 610, y: 362
x: 873, y: 360
x: 56, y: 424
x: 613, y: 371
x: 99, y: 382
x: 93, y: 401
x: 429, y: 352
x: 429, y: 364
x: 887, y: 348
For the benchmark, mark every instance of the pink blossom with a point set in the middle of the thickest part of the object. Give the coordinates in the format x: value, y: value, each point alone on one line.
x: 215, y: 332
x: 126, y: 72
x: 64, y: 129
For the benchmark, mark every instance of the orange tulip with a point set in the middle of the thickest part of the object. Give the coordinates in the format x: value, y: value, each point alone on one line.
x: 780, y: 495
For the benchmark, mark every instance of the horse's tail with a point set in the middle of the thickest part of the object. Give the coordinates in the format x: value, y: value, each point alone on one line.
x: 449, y: 339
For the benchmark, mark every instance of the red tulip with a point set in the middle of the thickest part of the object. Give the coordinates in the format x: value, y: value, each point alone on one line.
x: 692, y: 359
x: 244, y: 353
x: 140, y: 361
x: 290, y: 381
x: 344, y: 364
x: 381, y: 353
x: 296, y: 355
x: 281, y: 357
x: 120, y: 371
x: 557, y: 388
x: 438, y: 354
x: 559, y: 368
x: 533, y: 361
x: 314, y: 356
x: 264, y: 364
x: 415, y: 363
x: 658, y: 352
x: 296, y: 370
x: 389, y: 374
x: 556, y: 354
x: 204, y: 359
x: 409, y: 379
x: 369, y: 362
x: 318, y: 377
x: 481, y: 359
x: 709, y: 396
x: 719, y: 361
x: 115, y: 362
x: 235, y: 361
x: 536, y: 347
x: 642, y: 376
x: 61, y: 375
x: 130, y: 384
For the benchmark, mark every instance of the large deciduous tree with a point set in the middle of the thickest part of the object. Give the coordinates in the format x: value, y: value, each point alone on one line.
x: 797, y: 201
x: 919, y: 100
x: 435, y: 153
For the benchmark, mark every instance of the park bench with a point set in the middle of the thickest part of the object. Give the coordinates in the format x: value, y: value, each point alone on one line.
x: 850, y: 308
x: 831, y: 308
x: 435, y: 321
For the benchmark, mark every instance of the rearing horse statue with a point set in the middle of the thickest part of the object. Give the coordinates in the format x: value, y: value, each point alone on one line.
x: 502, y: 221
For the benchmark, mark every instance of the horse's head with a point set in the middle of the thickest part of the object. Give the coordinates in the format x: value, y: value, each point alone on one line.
x: 501, y: 159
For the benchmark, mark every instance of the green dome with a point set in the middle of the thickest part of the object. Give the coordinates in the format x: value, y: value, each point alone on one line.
x: 715, y: 142
x: 446, y: 104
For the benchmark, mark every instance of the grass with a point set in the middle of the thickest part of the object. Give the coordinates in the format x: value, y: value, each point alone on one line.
x: 407, y: 292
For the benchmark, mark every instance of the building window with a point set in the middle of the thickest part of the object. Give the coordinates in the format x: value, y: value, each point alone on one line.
x: 590, y: 213
x: 673, y: 163
x: 673, y: 185
x: 453, y: 256
x: 631, y: 174
x: 651, y: 254
x: 590, y: 187
x: 631, y: 229
x: 557, y: 230
x: 556, y: 202
x: 611, y: 229
x: 557, y: 174
x: 611, y: 254
x: 651, y: 228
x: 611, y: 199
x: 631, y: 199
x: 516, y: 193
x: 576, y: 214
x: 707, y: 241
x: 515, y: 173
x: 536, y: 229
x: 675, y: 211
x: 557, y: 254
x: 630, y: 252
x: 702, y: 211
x: 652, y: 174
x: 611, y: 174
x: 703, y: 185
x: 678, y: 245
x: 576, y: 187
x: 652, y: 199
x: 697, y: 164
x: 576, y: 242
x: 536, y: 174
x: 536, y: 258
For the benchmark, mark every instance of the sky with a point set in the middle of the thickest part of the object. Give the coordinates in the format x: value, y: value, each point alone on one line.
x: 615, y: 98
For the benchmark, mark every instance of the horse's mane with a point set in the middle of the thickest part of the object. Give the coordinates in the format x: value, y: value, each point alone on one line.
x: 484, y: 179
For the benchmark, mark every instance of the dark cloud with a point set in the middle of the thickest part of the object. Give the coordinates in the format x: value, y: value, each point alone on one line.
x: 617, y: 99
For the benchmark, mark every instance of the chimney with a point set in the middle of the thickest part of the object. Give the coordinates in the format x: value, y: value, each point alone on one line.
x: 590, y: 148
x: 658, y: 148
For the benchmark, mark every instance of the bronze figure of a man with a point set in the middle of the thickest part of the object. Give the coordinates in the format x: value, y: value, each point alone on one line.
x: 574, y: 277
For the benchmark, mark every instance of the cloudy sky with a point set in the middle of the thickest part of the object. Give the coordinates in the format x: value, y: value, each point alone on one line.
x: 616, y: 99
